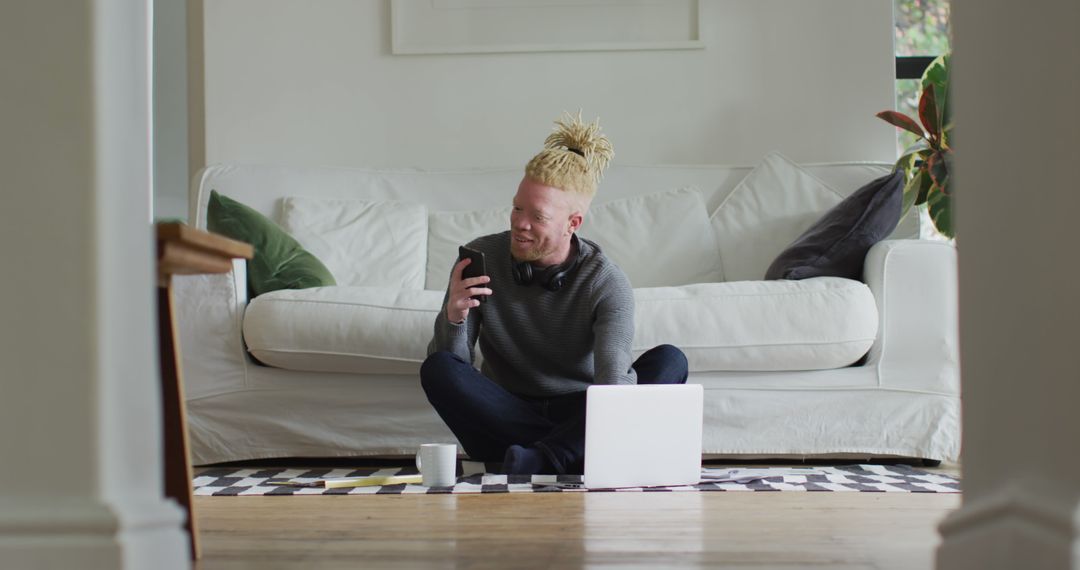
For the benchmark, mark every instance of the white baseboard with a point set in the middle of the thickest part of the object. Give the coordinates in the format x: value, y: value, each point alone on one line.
x: 83, y: 532
x: 1011, y: 529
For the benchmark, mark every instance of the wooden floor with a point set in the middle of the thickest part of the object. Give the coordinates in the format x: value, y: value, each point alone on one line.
x: 575, y: 530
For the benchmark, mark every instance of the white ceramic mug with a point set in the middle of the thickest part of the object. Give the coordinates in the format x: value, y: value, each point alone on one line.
x: 437, y: 463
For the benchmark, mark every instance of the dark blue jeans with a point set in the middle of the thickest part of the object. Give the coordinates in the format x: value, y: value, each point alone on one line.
x: 487, y: 419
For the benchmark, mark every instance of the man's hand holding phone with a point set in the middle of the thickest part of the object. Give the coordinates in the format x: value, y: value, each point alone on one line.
x: 466, y: 285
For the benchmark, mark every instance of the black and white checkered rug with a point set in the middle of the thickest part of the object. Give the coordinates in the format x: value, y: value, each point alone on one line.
x: 232, y: 481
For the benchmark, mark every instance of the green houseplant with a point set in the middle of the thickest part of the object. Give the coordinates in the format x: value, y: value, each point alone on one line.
x: 927, y: 163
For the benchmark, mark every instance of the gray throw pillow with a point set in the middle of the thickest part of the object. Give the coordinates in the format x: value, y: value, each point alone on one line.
x: 836, y: 244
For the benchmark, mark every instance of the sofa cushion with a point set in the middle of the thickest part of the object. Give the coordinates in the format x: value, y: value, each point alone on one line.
x: 812, y: 324
x: 364, y: 243
x: 448, y: 230
x: 375, y: 330
x: 836, y: 245
x: 775, y: 203
x: 659, y: 239
x: 279, y: 262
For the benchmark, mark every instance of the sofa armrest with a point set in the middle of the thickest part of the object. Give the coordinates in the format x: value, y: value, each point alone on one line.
x: 914, y: 283
x: 209, y: 318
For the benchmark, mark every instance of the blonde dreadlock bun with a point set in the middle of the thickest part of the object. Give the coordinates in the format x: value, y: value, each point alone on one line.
x: 574, y: 157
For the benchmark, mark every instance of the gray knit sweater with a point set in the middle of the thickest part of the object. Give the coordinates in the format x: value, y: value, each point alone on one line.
x: 542, y: 343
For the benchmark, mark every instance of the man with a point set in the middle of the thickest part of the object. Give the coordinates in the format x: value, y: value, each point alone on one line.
x: 557, y: 316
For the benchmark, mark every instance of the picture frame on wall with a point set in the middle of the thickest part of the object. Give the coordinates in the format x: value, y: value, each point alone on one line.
x: 508, y: 26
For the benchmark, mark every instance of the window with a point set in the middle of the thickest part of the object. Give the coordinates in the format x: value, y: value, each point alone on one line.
x: 922, y: 33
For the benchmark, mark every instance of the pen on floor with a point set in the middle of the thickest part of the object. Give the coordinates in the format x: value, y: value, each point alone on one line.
x: 373, y: 481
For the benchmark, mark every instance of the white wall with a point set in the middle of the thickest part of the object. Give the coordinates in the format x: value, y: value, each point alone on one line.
x: 314, y: 83
x: 80, y: 421
x: 1018, y: 296
x: 170, y: 113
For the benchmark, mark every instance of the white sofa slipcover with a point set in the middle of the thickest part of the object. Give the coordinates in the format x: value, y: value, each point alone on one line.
x: 782, y: 362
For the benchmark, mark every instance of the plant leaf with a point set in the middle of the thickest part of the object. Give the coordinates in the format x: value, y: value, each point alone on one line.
x: 937, y: 77
x: 910, y: 193
x: 938, y: 168
x: 939, y: 205
x: 901, y: 120
x: 928, y: 114
x: 915, y: 190
x: 924, y: 188
x: 908, y: 160
x: 919, y: 146
x: 948, y: 155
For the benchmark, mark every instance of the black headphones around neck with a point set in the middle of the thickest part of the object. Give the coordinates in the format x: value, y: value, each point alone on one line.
x: 551, y: 278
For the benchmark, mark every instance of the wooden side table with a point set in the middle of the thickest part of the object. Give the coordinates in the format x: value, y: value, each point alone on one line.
x: 182, y: 250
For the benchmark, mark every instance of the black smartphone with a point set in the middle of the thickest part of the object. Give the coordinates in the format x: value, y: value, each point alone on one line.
x: 474, y: 269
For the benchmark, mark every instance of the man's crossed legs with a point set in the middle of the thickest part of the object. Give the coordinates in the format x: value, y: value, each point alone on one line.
x: 529, y: 435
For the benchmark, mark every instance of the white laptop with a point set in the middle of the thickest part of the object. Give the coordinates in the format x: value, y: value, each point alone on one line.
x: 646, y: 435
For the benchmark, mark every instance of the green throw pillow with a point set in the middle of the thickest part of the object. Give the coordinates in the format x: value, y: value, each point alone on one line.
x: 279, y: 262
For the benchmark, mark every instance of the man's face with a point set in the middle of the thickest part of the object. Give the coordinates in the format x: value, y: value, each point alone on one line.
x: 541, y: 223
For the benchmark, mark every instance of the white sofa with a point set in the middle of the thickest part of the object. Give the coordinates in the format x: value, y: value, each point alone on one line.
x: 824, y: 367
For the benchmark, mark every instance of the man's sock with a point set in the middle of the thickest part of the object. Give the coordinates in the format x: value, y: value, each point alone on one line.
x: 526, y: 461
